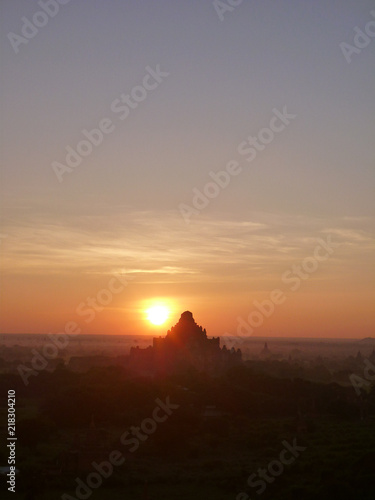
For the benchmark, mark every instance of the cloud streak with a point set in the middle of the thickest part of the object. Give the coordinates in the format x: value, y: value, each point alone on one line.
x: 149, y: 243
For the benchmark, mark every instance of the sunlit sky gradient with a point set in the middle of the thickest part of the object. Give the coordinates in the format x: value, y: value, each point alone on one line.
x: 117, y: 212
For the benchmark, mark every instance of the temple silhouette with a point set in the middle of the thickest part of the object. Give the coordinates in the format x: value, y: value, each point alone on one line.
x: 185, y: 346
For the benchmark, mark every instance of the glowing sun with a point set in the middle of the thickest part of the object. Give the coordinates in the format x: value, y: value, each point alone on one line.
x: 157, y: 315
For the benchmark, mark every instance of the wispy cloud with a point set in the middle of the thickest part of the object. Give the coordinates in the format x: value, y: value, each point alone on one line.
x: 146, y: 243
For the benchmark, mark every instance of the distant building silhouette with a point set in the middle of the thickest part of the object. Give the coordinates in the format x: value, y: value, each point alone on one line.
x: 265, y: 353
x: 185, y: 346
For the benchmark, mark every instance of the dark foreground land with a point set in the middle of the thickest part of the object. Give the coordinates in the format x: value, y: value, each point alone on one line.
x: 210, y: 436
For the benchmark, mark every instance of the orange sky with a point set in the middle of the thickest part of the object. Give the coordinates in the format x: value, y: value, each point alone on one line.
x: 105, y: 280
x: 256, y: 125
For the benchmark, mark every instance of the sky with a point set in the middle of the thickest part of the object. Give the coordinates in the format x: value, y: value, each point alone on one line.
x: 228, y: 141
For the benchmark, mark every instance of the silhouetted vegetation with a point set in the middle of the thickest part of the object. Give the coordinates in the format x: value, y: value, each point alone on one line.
x: 226, y: 428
